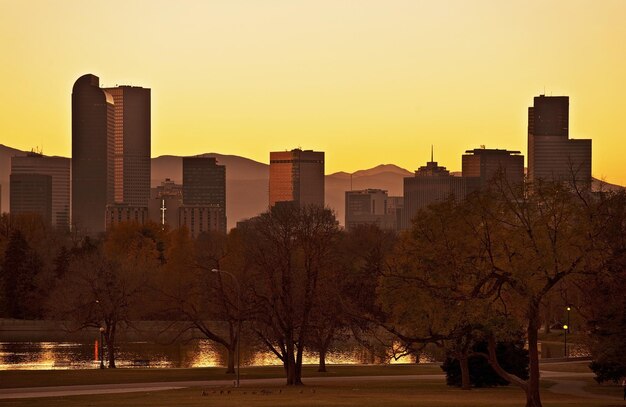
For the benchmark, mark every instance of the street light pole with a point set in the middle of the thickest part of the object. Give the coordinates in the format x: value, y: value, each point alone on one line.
x: 101, y: 348
x: 565, y: 329
x: 238, y: 319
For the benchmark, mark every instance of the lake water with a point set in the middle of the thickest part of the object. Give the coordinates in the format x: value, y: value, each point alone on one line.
x: 196, y: 353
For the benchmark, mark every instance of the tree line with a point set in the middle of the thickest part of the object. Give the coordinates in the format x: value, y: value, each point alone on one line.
x: 469, y: 276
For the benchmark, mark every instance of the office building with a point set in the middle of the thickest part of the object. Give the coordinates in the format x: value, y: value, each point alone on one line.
x: 202, y: 218
x: 368, y: 206
x: 165, y: 201
x: 431, y: 184
x: 118, y: 213
x: 489, y: 165
x: 552, y: 155
x: 31, y: 194
x: 131, y: 145
x: 204, y: 186
x: 93, y: 142
x: 58, y: 168
x: 297, y: 176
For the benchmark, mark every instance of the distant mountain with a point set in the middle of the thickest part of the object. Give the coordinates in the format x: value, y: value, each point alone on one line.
x: 382, y: 169
x: 247, y: 182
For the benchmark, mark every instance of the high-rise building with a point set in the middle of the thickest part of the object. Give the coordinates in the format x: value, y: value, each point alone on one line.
x: 297, y: 176
x: 485, y: 165
x: 131, y: 145
x: 58, y: 168
x: 32, y: 194
x: 110, y: 153
x: 368, y: 206
x: 93, y: 143
x: 431, y: 184
x: 552, y: 155
x: 204, y: 186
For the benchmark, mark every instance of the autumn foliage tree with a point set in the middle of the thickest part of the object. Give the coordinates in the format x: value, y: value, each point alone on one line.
x: 486, y: 264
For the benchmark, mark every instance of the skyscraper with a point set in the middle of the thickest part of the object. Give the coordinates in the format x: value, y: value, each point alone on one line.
x: 131, y: 145
x: 93, y: 143
x: 58, y: 168
x: 204, y: 195
x: 110, y: 154
x: 297, y: 176
x: 552, y: 155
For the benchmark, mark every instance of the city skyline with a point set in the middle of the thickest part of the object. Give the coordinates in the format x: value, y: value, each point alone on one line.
x: 367, y: 84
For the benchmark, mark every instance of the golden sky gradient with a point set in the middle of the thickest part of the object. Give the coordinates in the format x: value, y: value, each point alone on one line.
x: 368, y: 82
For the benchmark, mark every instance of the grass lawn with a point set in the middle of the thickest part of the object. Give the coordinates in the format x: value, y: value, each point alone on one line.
x: 36, y: 378
x: 363, y: 394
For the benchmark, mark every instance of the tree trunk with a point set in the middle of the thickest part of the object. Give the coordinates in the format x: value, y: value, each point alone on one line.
x: 109, y: 337
x: 231, y: 359
x: 465, y: 375
x: 322, y: 366
x: 293, y: 373
x: 111, y: 353
x: 533, y: 398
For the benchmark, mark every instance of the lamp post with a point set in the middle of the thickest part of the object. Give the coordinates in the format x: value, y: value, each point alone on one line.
x: 101, y: 348
x: 568, y: 325
x: 238, y: 319
x: 565, y: 329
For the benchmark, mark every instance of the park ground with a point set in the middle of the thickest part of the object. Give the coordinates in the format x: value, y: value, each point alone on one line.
x: 563, y: 384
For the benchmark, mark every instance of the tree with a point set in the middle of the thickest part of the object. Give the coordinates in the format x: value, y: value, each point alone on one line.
x: 291, y: 247
x: 20, y: 268
x: 511, y: 355
x: 604, y: 293
x: 107, y: 283
x: 503, y: 252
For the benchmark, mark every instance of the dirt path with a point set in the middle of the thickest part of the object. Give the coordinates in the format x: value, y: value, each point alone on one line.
x: 565, y: 385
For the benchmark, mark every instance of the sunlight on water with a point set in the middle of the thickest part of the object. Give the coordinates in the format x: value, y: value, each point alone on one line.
x: 197, y: 353
x: 205, y: 355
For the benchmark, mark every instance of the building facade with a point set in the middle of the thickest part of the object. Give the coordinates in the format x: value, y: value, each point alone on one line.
x: 132, y: 133
x: 431, y: 184
x: 368, y: 207
x: 297, y: 176
x: 487, y: 165
x: 119, y: 213
x: 31, y: 194
x: 165, y: 201
x: 204, y: 186
x: 58, y: 168
x: 552, y: 155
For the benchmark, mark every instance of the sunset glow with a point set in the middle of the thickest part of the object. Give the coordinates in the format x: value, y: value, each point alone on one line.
x: 368, y: 82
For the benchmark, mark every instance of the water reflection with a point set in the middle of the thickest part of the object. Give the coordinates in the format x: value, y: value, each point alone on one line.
x: 196, y: 353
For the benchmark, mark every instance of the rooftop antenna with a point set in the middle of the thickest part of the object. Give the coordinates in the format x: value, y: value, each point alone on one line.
x: 431, y: 154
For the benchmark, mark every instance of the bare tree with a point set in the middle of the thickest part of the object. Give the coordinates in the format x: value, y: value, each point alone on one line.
x: 291, y: 247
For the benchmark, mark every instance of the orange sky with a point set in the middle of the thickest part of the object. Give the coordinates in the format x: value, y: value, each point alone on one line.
x: 369, y: 82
